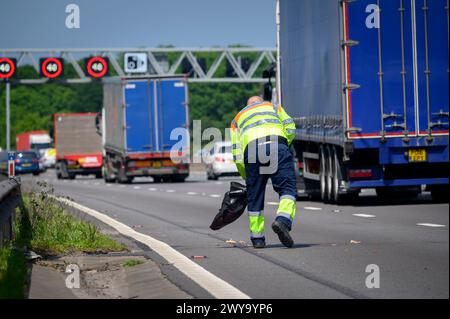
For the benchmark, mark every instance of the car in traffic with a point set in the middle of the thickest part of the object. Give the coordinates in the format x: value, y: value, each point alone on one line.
x: 26, y: 162
x: 49, y: 158
x: 220, y: 161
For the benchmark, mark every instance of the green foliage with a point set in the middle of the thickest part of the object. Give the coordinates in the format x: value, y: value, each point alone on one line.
x: 33, y: 106
x: 55, y: 232
x: 132, y: 263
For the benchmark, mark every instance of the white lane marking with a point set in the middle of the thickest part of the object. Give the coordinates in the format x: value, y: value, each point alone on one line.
x: 85, y: 183
x: 153, y: 189
x: 215, y: 195
x: 170, y: 191
x: 108, y: 185
x: 364, y: 215
x: 122, y: 186
x: 137, y: 187
x: 312, y: 208
x: 75, y: 182
x: 192, y: 193
x: 273, y: 203
x: 217, y: 287
x: 96, y: 184
x: 431, y: 225
x: 219, y: 183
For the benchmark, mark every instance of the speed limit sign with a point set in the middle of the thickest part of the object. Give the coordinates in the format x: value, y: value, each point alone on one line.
x: 7, y: 67
x: 51, y: 67
x: 97, y: 66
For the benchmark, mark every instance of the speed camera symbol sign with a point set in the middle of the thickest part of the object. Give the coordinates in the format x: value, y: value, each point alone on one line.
x: 135, y: 62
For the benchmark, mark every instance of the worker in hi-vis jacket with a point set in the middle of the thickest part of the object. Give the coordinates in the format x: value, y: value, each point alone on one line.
x: 262, y: 134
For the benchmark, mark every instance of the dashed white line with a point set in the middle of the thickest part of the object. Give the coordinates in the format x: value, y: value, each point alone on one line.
x: 215, y: 195
x: 96, y: 184
x: 153, y: 189
x: 431, y: 225
x: 273, y: 203
x: 191, y: 193
x: 137, y: 187
x: 170, y: 191
x: 216, y: 286
x: 364, y: 215
x: 312, y: 208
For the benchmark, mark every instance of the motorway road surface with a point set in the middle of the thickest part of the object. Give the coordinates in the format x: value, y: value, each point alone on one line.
x: 407, y: 239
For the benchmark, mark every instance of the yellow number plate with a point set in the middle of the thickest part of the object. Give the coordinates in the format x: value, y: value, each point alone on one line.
x: 157, y: 164
x: 417, y: 155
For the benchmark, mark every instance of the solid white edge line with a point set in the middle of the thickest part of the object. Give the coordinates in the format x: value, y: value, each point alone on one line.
x: 217, y: 287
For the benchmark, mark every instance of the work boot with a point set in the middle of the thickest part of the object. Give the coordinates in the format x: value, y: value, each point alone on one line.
x: 282, y: 230
x: 259, y: 243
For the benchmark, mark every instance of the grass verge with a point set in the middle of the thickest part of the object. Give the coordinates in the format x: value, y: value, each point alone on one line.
x: 42, y: 225
x: 132, y: 263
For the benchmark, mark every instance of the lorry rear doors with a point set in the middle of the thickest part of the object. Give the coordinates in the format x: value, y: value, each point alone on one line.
x: 432, y: 38
x: 154, y: 108
x: 138, y: 102
x: 397, y: 70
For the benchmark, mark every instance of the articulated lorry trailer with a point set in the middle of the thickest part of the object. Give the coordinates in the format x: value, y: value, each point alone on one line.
x: 368, y: 85
x: 33, y: 140
x: 139, y: 116
x: 78, y: 145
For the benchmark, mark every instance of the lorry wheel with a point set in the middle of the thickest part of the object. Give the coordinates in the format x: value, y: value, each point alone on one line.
x: 337, y: 177
x: 157, y: 179
x: 323, y: 176
x: 179, y: 179
x: 107, y: 177
x: 123, y: 178
x: 440, y: 195
x: 330, y: 175
x: 70, y: 176
x: 98, y: 175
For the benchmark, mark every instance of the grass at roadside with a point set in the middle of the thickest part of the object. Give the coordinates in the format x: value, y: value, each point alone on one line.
x: 44, y: 227
x: 56, y: 232
x: 132, y: 263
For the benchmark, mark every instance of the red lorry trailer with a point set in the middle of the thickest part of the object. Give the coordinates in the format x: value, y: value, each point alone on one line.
x: 78, y: 145
x: 36, y: 140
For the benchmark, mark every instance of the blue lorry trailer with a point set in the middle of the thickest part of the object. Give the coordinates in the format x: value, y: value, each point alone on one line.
x: 367, y: 82
x: 138, y: 117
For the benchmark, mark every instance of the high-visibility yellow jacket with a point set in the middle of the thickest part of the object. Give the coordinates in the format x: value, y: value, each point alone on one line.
x: 256, y: 121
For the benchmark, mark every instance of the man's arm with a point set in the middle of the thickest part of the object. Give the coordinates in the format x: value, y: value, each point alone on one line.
x: 238, y: 157
x: 288, y: 124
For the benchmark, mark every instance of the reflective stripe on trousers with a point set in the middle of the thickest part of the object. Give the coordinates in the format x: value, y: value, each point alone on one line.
x: 256, y: 224
x: 287, y: 207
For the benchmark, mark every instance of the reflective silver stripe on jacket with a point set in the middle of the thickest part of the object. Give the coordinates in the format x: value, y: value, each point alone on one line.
x: 288, y: 121
x: 257, y: 235
x: 262, y: 122
x: 236, y: 147
x: 292, y: 132
x: 257, y: 114
x: 237, y: 157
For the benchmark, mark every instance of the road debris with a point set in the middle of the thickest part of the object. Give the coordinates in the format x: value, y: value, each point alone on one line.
x: 199, y: 257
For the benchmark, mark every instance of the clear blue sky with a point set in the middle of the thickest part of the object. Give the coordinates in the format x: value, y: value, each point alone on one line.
x: 147, y: 23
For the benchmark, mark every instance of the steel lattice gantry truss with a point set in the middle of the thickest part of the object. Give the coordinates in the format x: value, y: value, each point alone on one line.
x: 214, y: 65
